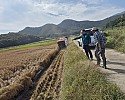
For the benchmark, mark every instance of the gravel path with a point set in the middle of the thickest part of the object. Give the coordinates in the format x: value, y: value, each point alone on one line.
x: 115, y: 67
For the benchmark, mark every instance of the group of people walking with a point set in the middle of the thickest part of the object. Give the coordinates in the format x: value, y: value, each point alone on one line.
x: 100, y: 42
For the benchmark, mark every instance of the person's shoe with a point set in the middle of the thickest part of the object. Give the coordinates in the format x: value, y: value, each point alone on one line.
x: 105, y: 67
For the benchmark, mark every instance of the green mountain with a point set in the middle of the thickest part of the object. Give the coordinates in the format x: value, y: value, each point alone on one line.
x: 73, y: 25
x: 66, y: 27
x: 46, y: 31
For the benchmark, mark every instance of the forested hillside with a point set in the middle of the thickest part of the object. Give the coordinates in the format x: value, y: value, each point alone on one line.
x: 116, y: 34
x: 46, y: 31
x: 14, y: 39
x: 117, y: 22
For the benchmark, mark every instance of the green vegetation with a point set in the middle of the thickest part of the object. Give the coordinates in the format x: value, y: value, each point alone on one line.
x: 117, y: 22
x: 83, y: 81
x: 116, y: 33
x: 15, y: 39
x: 35, y: 44
x: 116, y: 38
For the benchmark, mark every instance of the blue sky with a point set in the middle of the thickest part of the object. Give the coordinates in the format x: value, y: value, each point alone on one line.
x: 18, y: 14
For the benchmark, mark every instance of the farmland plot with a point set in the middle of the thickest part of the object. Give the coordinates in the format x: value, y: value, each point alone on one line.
x: 15, y: 62
x: 48, y: 87
x: 19, y: 71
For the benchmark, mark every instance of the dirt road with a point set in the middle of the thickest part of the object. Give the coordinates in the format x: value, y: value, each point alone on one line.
x: 115, y: 67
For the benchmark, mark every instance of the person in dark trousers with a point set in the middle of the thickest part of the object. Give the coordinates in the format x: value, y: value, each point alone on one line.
x: 86, y: 40
x: 100, y: 41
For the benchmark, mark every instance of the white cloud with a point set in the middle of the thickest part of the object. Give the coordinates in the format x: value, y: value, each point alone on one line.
x: 100, y: 12
x: 1, y: 8
x: 92, y: 1
x: 17, y: 14
x: 60, y: 9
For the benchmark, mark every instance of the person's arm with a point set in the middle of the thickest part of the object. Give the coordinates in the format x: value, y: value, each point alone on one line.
x: 78, y: 37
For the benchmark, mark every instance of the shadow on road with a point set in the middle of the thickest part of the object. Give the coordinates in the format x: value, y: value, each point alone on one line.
x: 117, y: 70
x: 116, y: 63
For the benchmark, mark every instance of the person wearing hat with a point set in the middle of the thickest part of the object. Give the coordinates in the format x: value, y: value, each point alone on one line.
x: 100, y: 41
x: 86, y: 40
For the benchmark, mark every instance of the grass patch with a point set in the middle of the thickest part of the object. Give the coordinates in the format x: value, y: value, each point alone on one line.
x: 83, y: 81
x: 30, y: 45
x: 116, y: 38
